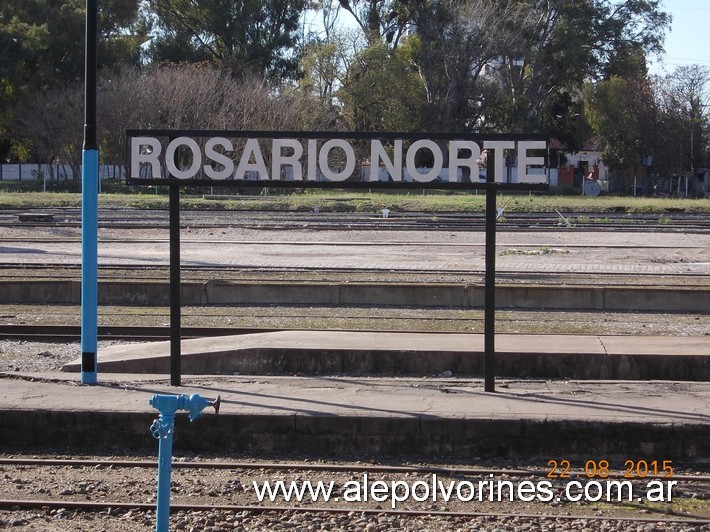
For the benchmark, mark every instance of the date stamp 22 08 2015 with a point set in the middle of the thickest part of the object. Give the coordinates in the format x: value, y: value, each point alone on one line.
x: 632, y: 469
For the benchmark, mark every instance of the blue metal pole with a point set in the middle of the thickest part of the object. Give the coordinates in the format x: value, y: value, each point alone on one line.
x: 165, y: 457
x: 89, y: 267
x: 89, y: 208
x: 163, y: 429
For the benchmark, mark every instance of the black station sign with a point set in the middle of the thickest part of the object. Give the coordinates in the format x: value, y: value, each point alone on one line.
x: 335, y: 159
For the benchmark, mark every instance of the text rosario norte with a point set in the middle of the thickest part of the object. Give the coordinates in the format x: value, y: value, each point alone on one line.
x: 219, y: 160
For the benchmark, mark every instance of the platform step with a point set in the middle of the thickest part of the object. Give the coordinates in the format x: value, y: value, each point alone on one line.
x: 421, y: 354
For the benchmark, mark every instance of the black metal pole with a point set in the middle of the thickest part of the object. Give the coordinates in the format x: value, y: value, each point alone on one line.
x: 90, y: 74
x: 175, y: 332
x: 489, y: 309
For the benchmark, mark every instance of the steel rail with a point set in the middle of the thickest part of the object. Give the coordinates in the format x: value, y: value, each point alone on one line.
x: 69, y: 333
x: 335, y: 243
x: 502, y: 273
x: 268, y: 219
x: 176, y: 507
x: 332, y: 468
x: 391, y: 226
x: 110, y: 332
x: 121, y: 212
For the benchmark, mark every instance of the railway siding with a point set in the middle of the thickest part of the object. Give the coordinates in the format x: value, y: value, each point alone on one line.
x: 111, y: 495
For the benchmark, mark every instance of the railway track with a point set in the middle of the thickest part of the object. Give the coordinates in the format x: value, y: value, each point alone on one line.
x: 207, y: 249
x: 50, y: 324
x: 264, y: 220
x: 196, y: 490
x: 324, y: 467
x: 70, y: 333
x: 119, y: 271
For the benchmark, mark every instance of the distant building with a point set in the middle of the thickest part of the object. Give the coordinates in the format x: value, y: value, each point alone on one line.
x: 575, y: 167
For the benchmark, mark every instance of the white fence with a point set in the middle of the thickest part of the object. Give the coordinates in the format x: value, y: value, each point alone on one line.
x: 60, y: 172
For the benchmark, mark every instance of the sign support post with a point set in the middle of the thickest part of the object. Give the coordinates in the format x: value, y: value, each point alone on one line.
x: 175, y: 332
x: 489, y: 305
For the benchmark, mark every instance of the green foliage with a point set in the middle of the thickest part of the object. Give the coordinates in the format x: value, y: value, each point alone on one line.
x: 513, y: 65
x: 245, y: 36
x: 41, y: 48
x: 41, y: 39
x: 610, y: 111
x: 382, y: 92
x: 322, y: 69
x: 382, y: 21
x: 560, y: 45
x: 20, y: 149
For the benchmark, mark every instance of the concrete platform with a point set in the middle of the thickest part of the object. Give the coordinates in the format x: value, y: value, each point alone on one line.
x: 388, y: 353
x: 397, y: 417
x: 692, y: 296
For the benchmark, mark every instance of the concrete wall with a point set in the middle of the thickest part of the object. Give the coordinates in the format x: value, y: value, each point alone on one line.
x: 323, y: 435
x: 134, y: 293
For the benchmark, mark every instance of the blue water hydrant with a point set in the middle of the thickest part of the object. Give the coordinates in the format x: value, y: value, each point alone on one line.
x: 162, y: 430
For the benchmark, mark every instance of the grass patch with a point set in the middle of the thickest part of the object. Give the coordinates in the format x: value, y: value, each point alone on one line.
x: 544, y: 250
x: 363, y: 202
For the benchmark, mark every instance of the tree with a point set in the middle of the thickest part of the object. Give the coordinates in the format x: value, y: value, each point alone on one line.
x: 612, y: 109
x: 382, y: 92
x: 52, y: 126
x: 42, y: 38
x: 39, y: 51
x: 457, y: 43
x: 513, y: 65
x: 188, y: 96
x: 322, y: 69
x: 445, y: 57
x: 664, y: 117
x: 21, y: 49
x: 327, y: 56
x: 381, y: 20
x: 244, y: 36
x: 683, y: 131
x: 625, y: 31
x: 560, y: 46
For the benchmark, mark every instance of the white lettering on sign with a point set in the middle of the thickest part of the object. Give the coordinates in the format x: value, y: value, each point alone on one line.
x: 525, y: 161
x: 438, y: 160
x: 378, y: 153
x: 349, y: 157
x: 498, y: 154
x: 278, y: 159
x: 219, y: 160
x: 145, y: 150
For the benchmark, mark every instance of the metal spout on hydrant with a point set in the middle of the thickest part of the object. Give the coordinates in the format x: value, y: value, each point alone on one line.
x: 162, y: 429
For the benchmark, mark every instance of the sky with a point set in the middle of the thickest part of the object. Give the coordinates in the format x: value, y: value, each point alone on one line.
x: 687, y: 42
